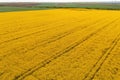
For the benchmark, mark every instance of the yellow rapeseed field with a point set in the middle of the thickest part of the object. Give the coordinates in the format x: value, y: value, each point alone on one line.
x: 60, y: 44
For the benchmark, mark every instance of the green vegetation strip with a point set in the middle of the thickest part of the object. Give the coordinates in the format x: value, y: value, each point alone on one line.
x: 43, y: 6
x: 10, y: 9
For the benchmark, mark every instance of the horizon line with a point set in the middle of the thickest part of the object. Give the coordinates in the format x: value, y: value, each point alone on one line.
x: 58, y: 1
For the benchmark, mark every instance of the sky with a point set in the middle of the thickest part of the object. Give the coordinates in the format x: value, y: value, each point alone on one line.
x: 57, y: 0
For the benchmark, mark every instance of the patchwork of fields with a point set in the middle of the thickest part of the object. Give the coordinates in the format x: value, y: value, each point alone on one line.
x: 60, y: 44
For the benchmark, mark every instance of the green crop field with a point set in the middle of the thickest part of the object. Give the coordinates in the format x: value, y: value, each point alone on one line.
x: 5, y: 7
x: 8, y: 9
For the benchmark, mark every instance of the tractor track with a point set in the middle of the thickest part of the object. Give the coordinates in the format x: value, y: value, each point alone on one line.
x: 53, y: 38
x: 97, y: 66
x: 35, y: 33
x: 26, y: 25
x: 57, y: 55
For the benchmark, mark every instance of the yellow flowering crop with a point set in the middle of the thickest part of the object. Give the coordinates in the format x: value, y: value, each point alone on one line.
x: 60, y: 44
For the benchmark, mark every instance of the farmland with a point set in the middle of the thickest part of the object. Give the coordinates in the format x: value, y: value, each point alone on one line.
x: 60, y: 44
x: 9, y: 7
x: 25, y: 6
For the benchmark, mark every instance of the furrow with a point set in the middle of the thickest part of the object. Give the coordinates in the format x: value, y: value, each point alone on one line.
x: 54, y: 38
x: 39, y: 31
x: 57, y: 55
x: 97, y: 66
x: 26, y: 25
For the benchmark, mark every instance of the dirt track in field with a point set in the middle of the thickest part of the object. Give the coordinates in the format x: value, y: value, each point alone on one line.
x: 60, y: 44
